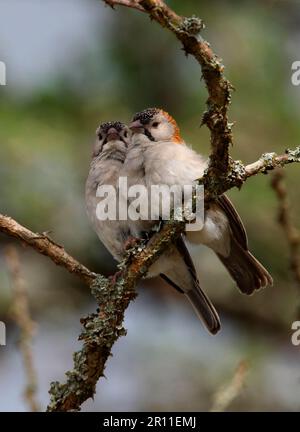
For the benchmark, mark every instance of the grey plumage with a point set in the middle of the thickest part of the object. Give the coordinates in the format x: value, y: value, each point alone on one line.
x: 108, y: 157
x: 175, y: 265
x: 166, y: 159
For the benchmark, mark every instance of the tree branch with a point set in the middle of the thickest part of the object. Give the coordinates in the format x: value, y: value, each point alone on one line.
x: 226, y: 394
x: 134, y: 4
x: 285, y: 220
x: 43, y: 244
x: 239, y: 173
x: 103, y: 328
x: 269, y: 161
x: 188, y: 30
x: 21, y: 314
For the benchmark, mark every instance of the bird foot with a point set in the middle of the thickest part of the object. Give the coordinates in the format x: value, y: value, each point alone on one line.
x: 131, y: 242
x: 113, y: 279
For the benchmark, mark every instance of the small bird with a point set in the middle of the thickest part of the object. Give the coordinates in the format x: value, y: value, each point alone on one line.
x: 109, y: 154
x: 113, y: 139
x: 175, y: 265
x: 159, y: 154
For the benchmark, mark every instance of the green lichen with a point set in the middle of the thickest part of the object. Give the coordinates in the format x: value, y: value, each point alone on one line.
x: 268, y: 160
x: 192, y: 26
x: 236, y: 173
x: 294, y: 155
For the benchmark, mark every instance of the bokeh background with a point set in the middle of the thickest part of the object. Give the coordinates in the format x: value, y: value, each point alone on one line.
x: 72, y: 64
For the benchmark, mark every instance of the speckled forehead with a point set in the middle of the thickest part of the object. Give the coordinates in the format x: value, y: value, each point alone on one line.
x: 145, y: 116
x: 104, y: 127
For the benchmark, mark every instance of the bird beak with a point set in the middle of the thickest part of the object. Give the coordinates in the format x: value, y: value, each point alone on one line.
x: 136, y: 126
x: 112, y: 134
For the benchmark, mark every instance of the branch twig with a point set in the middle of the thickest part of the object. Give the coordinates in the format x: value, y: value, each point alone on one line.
x: 285, y: 220
x: 188, y: 31
x: 133, y: 4
x: 21, y: 314
x: 226, y: 395
x: 45, y: 246
x: 102, y: 329
x: 239, y: 173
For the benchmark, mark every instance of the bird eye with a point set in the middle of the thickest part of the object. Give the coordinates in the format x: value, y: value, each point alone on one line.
x: 125, y: 134
x: 155, y: 124
x: 100, y: 136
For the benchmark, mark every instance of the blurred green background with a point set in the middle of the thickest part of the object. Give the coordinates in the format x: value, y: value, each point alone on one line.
x: 72, y: 64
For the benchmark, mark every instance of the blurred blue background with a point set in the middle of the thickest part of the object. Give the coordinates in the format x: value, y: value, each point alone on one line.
x: 72, y: 64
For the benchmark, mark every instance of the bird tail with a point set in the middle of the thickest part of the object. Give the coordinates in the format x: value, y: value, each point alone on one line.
x: 248, y: 273
x: 204, y: 308
x: 184, y: 279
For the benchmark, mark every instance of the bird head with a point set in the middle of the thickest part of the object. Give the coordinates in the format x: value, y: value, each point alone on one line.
x: 112, y: 136
x: 157, y: 125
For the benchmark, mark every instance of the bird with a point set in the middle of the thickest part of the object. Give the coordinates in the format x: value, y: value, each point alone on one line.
x: 175, y: 265
x: 158, y: 146
x: 109, y: 153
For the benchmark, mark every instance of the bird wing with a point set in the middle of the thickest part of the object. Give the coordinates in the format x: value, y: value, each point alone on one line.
x: 235, y: 221
x: 191, y: 288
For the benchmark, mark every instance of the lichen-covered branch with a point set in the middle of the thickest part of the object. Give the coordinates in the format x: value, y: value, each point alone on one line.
x: 21, y: 314
x: 292, y: 234
x: 238, y: 172
x: 188, y: 31
x: 43, y: 244
x: 102, y: 329
x: 269, y: 161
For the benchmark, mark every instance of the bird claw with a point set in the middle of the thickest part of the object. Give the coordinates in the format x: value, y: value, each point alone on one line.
x: 113, y: 279
x: 131, y: 242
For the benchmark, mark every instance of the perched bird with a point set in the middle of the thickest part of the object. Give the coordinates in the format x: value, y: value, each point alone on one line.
x: 175, y: 265
x: 159, y: 155
x: 110, y: 148
x: 113, y: 139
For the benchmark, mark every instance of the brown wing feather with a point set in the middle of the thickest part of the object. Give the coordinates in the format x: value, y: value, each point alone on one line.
x: 245, y: 269
x: 183, y: 250
x: 200, y: 301
x: 235, y: 221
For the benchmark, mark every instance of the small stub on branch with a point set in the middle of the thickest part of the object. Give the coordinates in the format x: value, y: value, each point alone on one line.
x: 192, y: 25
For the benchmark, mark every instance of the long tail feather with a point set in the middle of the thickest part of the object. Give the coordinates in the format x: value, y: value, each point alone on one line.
x: 245, y: 269
x: 189, y: 285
